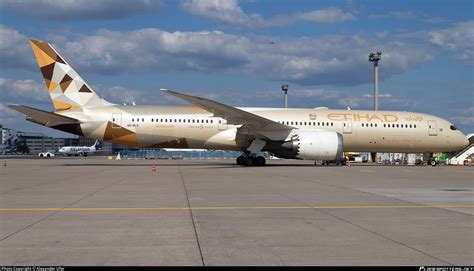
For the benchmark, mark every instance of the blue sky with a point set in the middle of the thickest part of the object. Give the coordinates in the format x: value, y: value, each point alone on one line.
x: 240, y: 52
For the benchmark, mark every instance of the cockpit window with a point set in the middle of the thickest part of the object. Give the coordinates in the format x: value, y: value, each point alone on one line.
x: 453, y: 127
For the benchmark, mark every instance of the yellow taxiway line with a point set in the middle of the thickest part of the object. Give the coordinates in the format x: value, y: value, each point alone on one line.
x: 239, y: 208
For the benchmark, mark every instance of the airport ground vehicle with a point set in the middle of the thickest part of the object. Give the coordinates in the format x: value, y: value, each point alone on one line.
x: 469, y: 161
x: 356, y: 158
x: 338, y: 162
x: 46, y: 154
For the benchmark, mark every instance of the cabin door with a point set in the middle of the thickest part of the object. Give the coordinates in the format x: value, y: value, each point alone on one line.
x: 432, y: 128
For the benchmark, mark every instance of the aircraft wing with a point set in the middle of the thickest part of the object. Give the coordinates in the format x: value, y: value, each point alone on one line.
x: 45, y: 118
x: 233, y: 115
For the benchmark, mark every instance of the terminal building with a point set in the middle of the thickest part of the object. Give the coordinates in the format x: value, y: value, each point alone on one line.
x: 36, y: 142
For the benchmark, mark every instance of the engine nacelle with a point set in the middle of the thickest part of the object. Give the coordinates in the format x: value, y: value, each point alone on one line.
x: 316, y: 144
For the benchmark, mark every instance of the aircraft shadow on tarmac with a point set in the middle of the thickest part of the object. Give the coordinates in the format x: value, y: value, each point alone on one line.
x: 204, y: 165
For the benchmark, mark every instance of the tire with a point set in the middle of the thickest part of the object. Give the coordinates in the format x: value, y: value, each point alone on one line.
x: 432, y: 162
x: 249, y: 161
x: 260, y: 161
x: 48, y: 155
x: 41, y: 155
x: 466, y: 163
x: 240, y: 160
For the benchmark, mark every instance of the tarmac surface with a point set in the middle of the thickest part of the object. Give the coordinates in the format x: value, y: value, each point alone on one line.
x: 93, y: 211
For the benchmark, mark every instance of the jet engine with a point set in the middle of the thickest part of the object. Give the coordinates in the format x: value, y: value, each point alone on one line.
x: 312, y: 145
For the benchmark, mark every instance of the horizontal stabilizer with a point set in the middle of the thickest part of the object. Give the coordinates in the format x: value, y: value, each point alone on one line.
x: 42, y: 117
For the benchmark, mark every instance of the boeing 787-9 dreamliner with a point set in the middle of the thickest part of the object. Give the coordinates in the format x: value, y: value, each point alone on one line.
x: 293, y: 133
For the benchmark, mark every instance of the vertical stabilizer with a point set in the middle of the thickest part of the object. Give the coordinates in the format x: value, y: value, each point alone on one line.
x: 66, y: 88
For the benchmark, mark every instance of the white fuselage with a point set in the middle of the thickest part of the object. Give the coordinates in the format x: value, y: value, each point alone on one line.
x: 362, y: 130
x: 76, y: 150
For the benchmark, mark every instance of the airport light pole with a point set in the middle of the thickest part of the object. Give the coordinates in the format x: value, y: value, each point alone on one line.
x: 284, y: 88
x: 375, y: 57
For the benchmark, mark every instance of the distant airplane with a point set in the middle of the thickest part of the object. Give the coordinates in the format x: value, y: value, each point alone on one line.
x: 294, y: 133
x: 83, y: 151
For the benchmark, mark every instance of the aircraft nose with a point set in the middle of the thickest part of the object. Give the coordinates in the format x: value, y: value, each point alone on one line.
x: 462, y: 141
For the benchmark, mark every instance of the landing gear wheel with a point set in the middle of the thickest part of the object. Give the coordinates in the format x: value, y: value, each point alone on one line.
x: 432, y: 162
x: 249, y: 161
x: 260, y: 161
x: 240, y: 160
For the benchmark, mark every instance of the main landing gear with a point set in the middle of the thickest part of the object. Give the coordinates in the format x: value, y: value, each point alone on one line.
x: 250, y: 160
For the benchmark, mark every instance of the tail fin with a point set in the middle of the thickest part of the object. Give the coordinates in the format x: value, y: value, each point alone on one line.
x: 66, y: 88
x: 97, y: 144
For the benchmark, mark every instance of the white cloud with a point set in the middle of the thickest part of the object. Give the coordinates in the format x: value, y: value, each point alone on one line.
x: 226, y: 11
x: 464, y: 117
x: 463, y: 120
x: 383, y: 95
x: 23, y: 90
x: 459, y: 38
x: 386, y: 101
x: 327, y: 16
x: 337, y: 59
x: 404, y: 15
x: 8, y: 117
x: 407, y: 15
x: 79, y: 9
x: 120, y: 95
x: 151, y: 49
x: 308, y: 98
x: 229, y: 12
x: 7, y: 113
x: 14, y: 49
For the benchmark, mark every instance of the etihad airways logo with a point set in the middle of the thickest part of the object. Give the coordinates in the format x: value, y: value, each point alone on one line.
x: 362, y: 117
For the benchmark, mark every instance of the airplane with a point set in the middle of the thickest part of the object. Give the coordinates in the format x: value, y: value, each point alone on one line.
x: 83, y: 151
x: 292, y: 133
